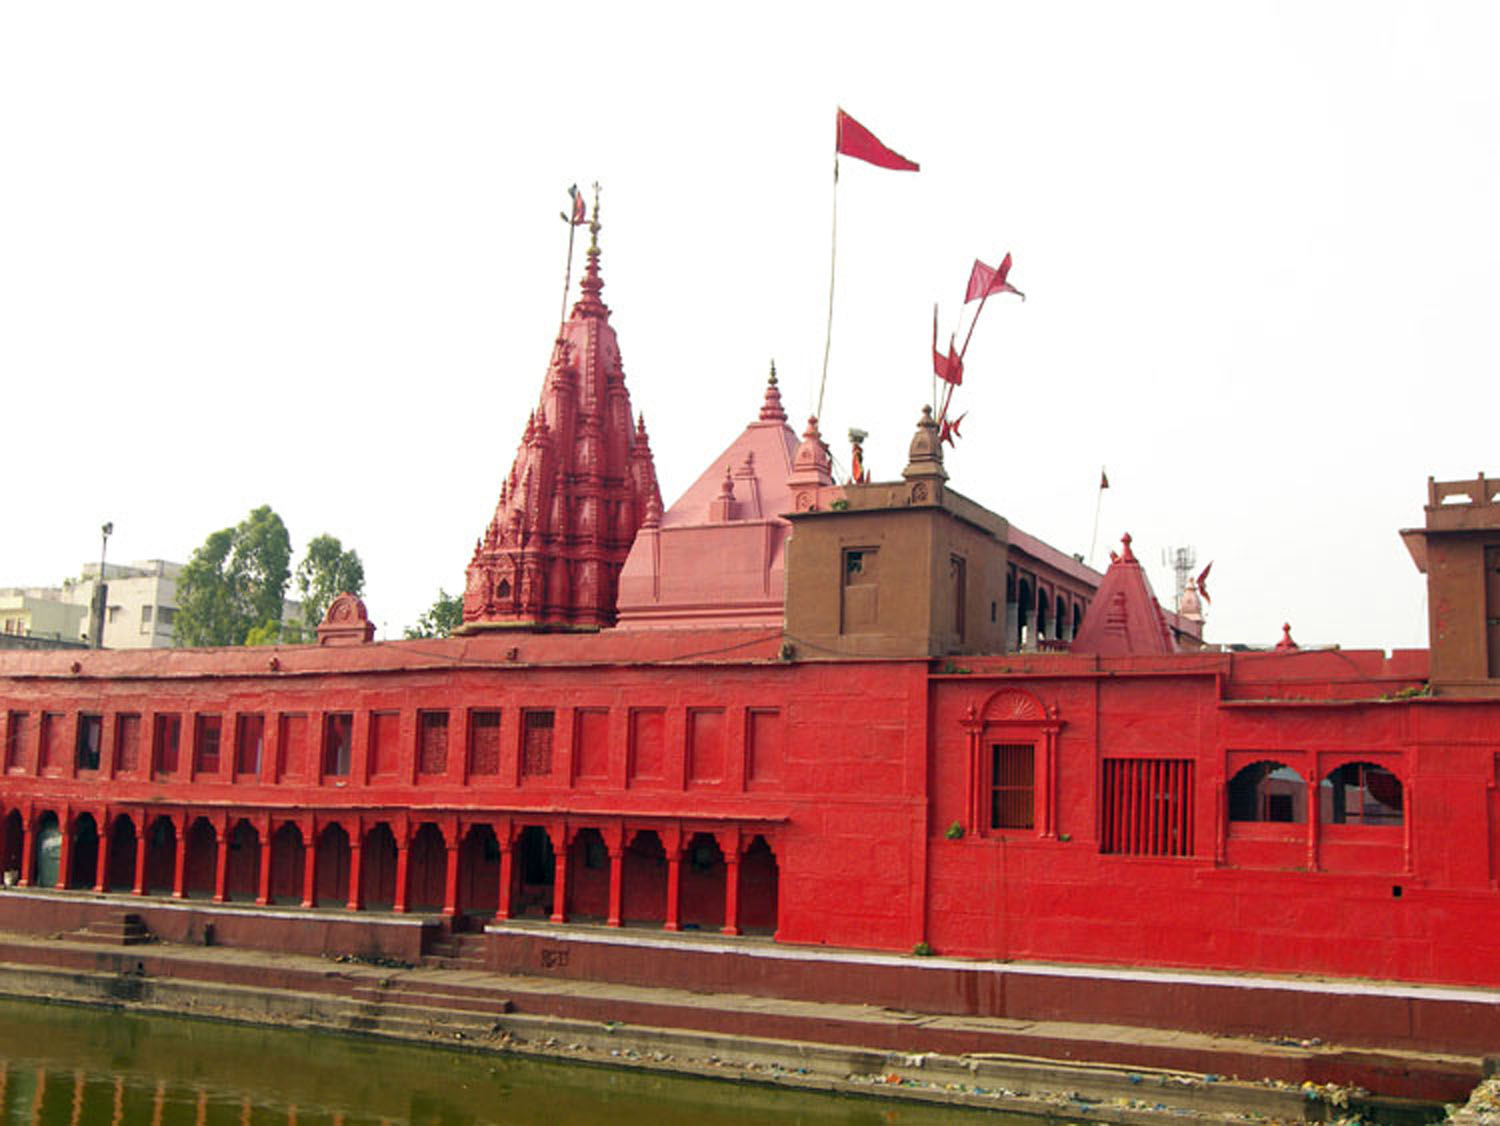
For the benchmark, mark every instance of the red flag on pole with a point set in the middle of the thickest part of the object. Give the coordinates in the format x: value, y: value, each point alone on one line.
x: 983, y: 281
x: 1203, y: 581
x: 1103, y: 479
x: 579, y: 211
x: 949, y: 368
x: 853, y: 139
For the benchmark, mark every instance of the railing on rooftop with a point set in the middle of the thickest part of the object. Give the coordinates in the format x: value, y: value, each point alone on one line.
x: 1479, y: 491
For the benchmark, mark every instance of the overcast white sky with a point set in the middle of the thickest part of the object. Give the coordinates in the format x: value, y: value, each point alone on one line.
x: 308, y: 255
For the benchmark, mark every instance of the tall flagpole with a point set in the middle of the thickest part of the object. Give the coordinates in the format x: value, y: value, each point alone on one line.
x: 562, y: 316
x: 833, y: 254
x: 1098, y: 504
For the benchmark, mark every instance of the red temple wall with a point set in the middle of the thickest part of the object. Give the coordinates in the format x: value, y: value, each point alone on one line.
x: 854, y: 773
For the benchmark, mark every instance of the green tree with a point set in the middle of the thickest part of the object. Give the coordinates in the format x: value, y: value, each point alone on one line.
x: 441, y: 618
x: 327, y: 571
x: 235, y: 582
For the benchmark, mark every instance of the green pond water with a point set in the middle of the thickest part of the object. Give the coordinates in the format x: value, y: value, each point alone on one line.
x: 67, y: 1065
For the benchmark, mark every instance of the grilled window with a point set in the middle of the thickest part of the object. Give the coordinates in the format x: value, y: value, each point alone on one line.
x: 1012, y: 786
x: 1148, y: 808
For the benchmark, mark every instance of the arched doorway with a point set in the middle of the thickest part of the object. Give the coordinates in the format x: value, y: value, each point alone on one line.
x: 200, y: 860
x: 643, y: 895
x: 48, y: 855
x: 242, y: 869
x: 331, y: 886
x: 377, y: 869
x: 704, y: 880
x: 427, y: 869
x: 120, y: 862
x: 588, y: 877
x: 161, y: 856
x: 288, y: 863
x: 12, y: 844
x: 536, y: 871
x: 759, y: 889
x: 479, y: 873
x: 83, y: 857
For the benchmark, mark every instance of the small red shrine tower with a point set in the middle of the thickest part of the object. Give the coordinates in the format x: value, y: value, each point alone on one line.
x: 582, y: 483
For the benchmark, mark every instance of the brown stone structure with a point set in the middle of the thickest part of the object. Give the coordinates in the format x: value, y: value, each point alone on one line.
x: 1459, y: 552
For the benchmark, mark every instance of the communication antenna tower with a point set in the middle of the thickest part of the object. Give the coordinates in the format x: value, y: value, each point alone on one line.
x: 1181, y: 560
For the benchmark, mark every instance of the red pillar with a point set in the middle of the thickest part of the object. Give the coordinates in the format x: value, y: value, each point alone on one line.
x: 731, y: 894
x: 356, y: 898
x: 403, y: 851
x: 616, y: 886
x: 221, y: 865
x: 28, y: 861
x: 310, y: 869
x: 502, y: 911
x: 179, y: 876
x: 450, y: 883
x: 101, y: 864
x: 674, y: 887
x: 65, y: 851
x: 560, y: 881
x: 263, y: 892
x: 140, y: 855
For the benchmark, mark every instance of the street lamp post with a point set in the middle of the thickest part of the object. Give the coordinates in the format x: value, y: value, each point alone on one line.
x: 101, y: 590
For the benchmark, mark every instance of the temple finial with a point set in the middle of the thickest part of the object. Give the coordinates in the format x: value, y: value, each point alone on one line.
x: 771, y: 409
x: 594, y: 223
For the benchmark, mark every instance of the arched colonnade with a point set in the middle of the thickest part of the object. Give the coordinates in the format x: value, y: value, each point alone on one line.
x: 677, y: 874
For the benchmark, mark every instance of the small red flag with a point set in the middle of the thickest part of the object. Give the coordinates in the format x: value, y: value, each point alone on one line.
x: 950, y: 429
x: 983, y: 281
x: 853, y: 139
x: 949, y: 368
x: 1203, y: 581
x: 579, y: 211
x: 1103, y: 479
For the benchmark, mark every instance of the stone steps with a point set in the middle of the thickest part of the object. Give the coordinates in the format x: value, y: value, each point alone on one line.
x: 456, y: 952
x: 120, y: 928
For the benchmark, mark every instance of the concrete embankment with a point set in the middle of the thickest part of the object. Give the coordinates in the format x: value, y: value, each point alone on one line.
x: 837, y: 1048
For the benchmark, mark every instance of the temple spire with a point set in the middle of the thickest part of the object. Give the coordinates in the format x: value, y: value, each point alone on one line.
x: 582, y: 483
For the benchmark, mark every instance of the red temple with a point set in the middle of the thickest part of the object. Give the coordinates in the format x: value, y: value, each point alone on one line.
x: 874, y: 716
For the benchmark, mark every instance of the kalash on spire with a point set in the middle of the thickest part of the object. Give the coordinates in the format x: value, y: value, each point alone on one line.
x: 582, y: 483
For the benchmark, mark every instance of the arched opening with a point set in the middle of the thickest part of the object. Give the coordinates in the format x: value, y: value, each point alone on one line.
x: 427, y: 869
x: 200, y: 860
x: 242, y: 869
x: 331, y: 871
x: 479, y: 873
x: 1025, y: 608
x: 759, y: 889
x: 288, y: 863
x: 1043, y: 614
x: 1077, y: 617
x: 588, y: 877
x: 1361, y: 793
x: 377, y: 869
x: 644, y: 876
x: 1061, y: 629
x: 12, y: 844
x: 704, y: 880
x: 161, y: 856
x: 119, y: 864
x: 536, y: 872
x: 48, y: 855
x: 1267, y: 791
x: 83, y: 857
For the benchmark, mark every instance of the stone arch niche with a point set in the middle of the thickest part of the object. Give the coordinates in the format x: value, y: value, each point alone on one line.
x: 1011, y: 718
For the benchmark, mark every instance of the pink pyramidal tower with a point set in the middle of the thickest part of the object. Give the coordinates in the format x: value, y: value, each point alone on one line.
x: 582, y: 483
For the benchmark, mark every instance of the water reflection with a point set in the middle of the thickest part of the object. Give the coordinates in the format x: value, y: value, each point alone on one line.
x: 88, y: 1067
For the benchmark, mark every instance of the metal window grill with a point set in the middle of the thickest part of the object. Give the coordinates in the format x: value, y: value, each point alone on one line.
x: 484, y: 743
x: 1012, y: 785
x: 1148, y: 807
x: 536, y: 752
